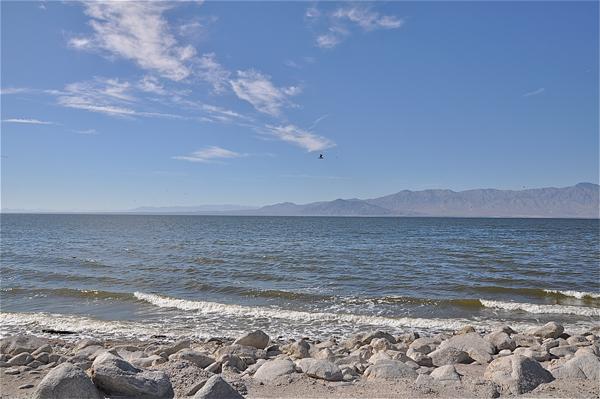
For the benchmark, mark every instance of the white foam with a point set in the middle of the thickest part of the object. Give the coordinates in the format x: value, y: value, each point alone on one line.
x: 576, y: 294
x: 349, y: 320
x: 542, y: 309
x: 35, y: 322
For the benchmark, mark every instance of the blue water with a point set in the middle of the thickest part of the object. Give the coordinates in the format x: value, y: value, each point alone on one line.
x: 206, y: 275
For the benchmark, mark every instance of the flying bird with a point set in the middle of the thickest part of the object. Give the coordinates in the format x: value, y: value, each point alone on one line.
x: 321, y: 156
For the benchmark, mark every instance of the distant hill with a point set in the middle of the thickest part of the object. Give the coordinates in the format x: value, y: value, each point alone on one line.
x: 579, y: 201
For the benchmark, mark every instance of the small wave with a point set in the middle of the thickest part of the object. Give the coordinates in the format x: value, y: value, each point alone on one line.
x: 542, y: 309
x: 34, y: 322
x: 69, y: 292
x: 302, y: 316
x: 575, y: 294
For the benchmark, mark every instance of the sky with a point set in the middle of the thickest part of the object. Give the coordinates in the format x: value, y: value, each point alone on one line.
x: 111, y: 106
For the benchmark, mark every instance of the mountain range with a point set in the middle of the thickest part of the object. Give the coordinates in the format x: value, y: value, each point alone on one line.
x: 579, y: 201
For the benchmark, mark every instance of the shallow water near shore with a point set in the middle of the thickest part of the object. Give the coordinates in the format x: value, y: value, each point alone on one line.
x: 138, y: 275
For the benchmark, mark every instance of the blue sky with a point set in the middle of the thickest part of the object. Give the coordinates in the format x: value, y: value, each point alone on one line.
x: 110, y: 106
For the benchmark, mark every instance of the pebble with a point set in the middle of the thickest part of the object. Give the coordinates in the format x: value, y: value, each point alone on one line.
x: 26, y: 386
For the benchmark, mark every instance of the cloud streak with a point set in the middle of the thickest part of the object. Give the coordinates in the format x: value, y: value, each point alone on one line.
x: 300, y: 137
x: 257, y: 89
x: 210, y: 154
x: 26, y: 121
x: 535, y: 92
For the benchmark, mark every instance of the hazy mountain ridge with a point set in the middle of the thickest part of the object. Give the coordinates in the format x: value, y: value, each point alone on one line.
x: 581, y: 200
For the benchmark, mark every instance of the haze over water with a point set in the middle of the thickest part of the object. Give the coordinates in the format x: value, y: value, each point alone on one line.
x: 138, y: 275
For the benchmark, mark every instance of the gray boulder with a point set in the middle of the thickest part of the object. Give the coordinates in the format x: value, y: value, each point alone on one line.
x: 548, y: 330
x: 217, y: 388
x: 445, y: 374
x: 21, y: 343
x: 501, y: 340
x: 378, y: 334
x: 275, y: 368
x: 424, y: 345
x: 116, y: 376
x: 297, y: 350
x: 582, y: 366
x: 389, y: 370
x: 562, y: 351
x: 242, y: 351
x: 524, y: 340
x: 256, y: 339
x: 449, y: 355
x: 66, y: 381
x: 517, y: 374
x: 198, y: 358
x: 478, y: 348
x: 321, y: 369
x: 22, y: 359
x: 535, y: 352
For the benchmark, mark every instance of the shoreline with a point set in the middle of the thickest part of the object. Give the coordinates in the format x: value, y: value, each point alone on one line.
x: 544, y: 361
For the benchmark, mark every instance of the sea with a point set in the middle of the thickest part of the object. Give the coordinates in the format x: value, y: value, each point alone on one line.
x: 135, y: 276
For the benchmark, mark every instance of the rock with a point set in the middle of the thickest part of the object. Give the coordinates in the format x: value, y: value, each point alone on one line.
x: 22, y: 359
x: 144, y: 362
x: 424, y: 380
x: 407, y: 337
x: 66, y: 381
x: 525, y: 340
x: 517, y: 374
x: 379, y: 356
x: 297, y: 350
x: 445, y: 374
x: 217, y: 388
x: 506, y: 329
x: 233, y: 361
x: 419, y: 358
x: 116, y: 376
x: 582, y: 366
x: 321, y: 369
x: 26, y: 386
x: 214, y: 368
x: 592, y: 349
x: 35, y: 364
x: 465, y: 330
x: 449, y: 355
x: 549, y: 343
x: 256, y: 339
x: 176, y: 347
x: 242, y: 351
x: 501, y: 340
x: 378, y: 334
x: 548, y: 330
x: 42, y: 349
x: 198, y: 358
x: 478, y: 348
x: 562, y: 351
x: 424, y: 345
x: 84, y: 343
x: 273, y: 369
x: 389, y: 370
x: 380, y: 344
x: 534, y: 352
x: 21, y: 343
x: 325, y: 353
x: 578, y: 339
x: 43, y: 357
x: 56, y: 358
x: 505, y: 352
x: 12, y: 371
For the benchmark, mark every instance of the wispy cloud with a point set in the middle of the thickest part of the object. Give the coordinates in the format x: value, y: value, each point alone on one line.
x: 136, y: 31
x: 86, y: 131
x: 14, y: 90
x: 257, y: 89
x: 112, y: 97
x: 209, y: 155
x: 27, y: 121
x: 343, y: 18
x: 535, y: 92
x: 300, y: 137
x: 213, y: 72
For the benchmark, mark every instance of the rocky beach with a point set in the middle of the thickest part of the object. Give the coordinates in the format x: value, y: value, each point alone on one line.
x: 543, y: 361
